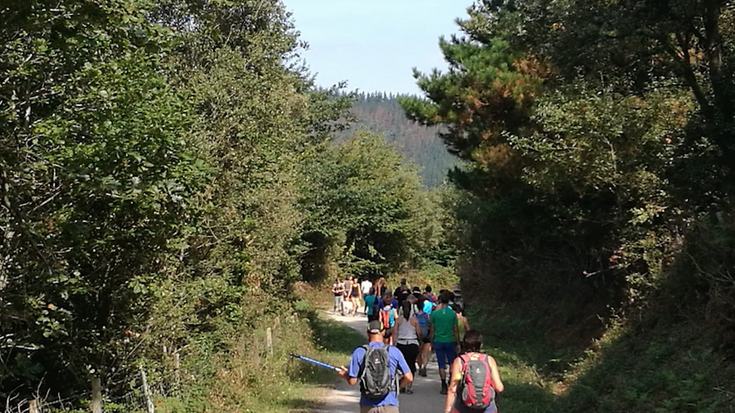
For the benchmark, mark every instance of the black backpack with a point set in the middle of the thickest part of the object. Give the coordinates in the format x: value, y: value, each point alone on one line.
x: 374, y: 377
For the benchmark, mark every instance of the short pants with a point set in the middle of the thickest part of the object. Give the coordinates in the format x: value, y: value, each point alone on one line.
x: 445, y: 350
x: 379, y: 409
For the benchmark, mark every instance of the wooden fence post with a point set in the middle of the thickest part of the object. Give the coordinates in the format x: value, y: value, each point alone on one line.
x: 34, y: 407
x: 177, y: 365
x: 269, y: 340
x: 146, y: 392
x: 96, y: 404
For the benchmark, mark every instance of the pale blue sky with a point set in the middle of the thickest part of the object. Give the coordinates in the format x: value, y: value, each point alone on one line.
x: 374, y: 44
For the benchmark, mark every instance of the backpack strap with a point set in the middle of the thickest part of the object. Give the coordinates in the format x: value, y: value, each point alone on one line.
x: 364, y: 359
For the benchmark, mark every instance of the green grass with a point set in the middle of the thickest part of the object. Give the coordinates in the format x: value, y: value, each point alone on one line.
x: 252, y: 379
x: 658, y: 364
x: 332, y: 343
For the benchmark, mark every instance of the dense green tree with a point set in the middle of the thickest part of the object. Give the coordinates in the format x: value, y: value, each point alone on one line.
x: 363, y: 208
x: 94, y: 177
x: 571, y: 171
x: 148, y: 163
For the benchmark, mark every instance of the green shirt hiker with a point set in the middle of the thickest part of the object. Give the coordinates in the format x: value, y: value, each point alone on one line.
x: 444, y: 321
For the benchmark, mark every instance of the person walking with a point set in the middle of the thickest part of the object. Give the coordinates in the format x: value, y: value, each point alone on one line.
x: 462, y: 324
x: 346, y: 294
x: 402, y: 292
x: 355, y: 297
x: 371, y: 305
x: 387, y: 297
x: 483, y: 375
x: 444, y: 337
x: 428, y: 294
x: 338, y: 289
x: 366, y: 285
x: 388, y: 319
x: 422, y: 319
x: 408, y: 332
x: 381, y: 287
x: 367, y: 367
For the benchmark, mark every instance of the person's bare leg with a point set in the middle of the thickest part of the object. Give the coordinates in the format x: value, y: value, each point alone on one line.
x: 425, y: 354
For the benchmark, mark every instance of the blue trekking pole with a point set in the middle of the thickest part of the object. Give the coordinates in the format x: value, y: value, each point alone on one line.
x: 312, y: 361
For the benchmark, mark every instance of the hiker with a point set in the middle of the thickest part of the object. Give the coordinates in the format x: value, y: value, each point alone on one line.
x: 381, y: 287
x: 444, y: 337
x: 429, y: 302
x: 348, y: 294
x: 338, y: 289
x: 388, y: 319
x: 366, y: 286
x: 428, y: 294
x: 462, y: 324
x: 371, y: 305
x: 473, y: 372
x: 408, y: 333
x: 355, y: 297
x: 387, y: 296
x: 402, y: 292
x: 368, y: 364
x: 422, y: 319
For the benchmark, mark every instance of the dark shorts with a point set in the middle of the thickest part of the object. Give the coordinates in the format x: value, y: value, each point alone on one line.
x: 426, y: 340
x: 445, y: 351
x: 355, y: 294
x: 388, y: 332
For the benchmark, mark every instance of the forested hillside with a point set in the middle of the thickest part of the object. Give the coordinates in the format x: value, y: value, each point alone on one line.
x: 382, y: 114
x: 595, y: 215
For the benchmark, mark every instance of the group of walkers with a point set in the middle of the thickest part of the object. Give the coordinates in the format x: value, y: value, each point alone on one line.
x: 407, y: 326
x: 349, y: 291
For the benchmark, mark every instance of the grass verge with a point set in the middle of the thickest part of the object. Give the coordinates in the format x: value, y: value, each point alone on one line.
x: 658, y: 364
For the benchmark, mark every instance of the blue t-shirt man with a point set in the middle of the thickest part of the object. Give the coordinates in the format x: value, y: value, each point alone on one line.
x: 393, y: 303
x: 397, y: 361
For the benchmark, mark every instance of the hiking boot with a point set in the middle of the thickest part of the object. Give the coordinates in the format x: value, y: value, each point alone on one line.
x: 444, y: 388
x: 422, y: 372
x: 407, y: 390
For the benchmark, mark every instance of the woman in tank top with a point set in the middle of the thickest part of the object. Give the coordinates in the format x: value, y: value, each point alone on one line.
x: 422, y: 318
x: 473, y: 344
x: 407, y: 339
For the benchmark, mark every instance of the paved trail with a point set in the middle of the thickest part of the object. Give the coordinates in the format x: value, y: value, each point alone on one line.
x: 426, y: 397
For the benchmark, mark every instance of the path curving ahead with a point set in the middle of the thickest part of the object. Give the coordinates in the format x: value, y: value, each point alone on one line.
x: 425, y: 399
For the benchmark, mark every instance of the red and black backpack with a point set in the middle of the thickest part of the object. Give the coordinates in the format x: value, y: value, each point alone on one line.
x: 477, y: 388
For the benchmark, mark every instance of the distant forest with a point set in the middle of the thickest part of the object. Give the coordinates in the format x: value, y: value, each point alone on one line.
x: 380, y: 113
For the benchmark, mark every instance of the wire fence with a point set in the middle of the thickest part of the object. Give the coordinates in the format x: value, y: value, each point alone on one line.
x: 139, y: 394
x: 139, y: 399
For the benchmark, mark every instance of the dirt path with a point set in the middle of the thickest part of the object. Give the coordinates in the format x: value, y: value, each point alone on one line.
x: 426, y: 397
